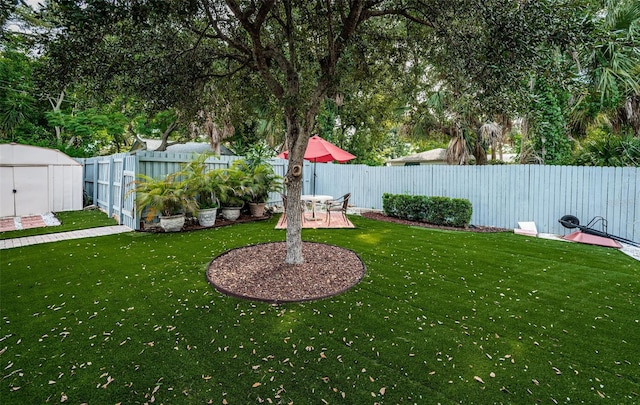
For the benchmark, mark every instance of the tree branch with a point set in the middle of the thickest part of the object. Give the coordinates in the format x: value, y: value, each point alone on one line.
x: 261, y: 55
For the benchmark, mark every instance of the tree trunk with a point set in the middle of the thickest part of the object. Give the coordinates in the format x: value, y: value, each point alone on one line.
x: 632, y: 109
x: 294, y: 222
x: 165, y: 137
x: 297, y: 140
x: 56, y: 108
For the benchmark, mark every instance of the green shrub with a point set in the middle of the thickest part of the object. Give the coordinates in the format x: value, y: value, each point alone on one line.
x: 390, y: 203
x: 443, y: 211
x: 411, y: 207
x: 448, y: 211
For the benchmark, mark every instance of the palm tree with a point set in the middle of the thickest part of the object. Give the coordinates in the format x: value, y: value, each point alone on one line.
x: 455, y: 115
x: 491, y: 134
x: 611, y: 70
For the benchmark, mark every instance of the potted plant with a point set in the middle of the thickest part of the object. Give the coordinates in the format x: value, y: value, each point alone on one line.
x: 233, y: 189
x: 205, y: 187
x: 263, y: 180
x: 167, y: 198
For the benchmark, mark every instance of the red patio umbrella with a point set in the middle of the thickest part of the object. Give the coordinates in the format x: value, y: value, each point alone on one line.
x: 319, y: 150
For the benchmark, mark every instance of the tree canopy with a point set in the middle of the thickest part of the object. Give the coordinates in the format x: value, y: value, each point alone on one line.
x: 294, y: 58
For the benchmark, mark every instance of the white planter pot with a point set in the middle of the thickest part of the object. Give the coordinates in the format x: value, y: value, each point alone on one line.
x: 173, y: 223
x: 207, y: 217
x: 231, y: 213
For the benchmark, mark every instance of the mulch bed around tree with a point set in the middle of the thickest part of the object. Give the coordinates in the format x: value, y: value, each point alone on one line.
x: 258, y: 272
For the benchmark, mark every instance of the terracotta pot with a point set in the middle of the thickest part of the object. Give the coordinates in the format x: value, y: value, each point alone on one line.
x: 173, y: 223
x: 257, y: 209
x: 207, y: 217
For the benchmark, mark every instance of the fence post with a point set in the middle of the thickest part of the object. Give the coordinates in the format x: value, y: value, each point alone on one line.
x: 121, y: 193
x: 134, y: 210
x: 94, y: 183
x: 110, y: 188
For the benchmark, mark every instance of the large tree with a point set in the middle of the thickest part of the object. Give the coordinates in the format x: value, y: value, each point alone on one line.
x: 297, y: 53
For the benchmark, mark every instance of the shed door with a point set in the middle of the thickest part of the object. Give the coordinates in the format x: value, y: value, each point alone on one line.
x: 25, y: 190
x: 7, y: 201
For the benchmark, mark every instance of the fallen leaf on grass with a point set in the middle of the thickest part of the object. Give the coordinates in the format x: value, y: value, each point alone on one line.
x: 109, y: 381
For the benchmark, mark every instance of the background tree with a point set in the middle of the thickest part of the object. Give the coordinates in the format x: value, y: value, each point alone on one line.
x: 17, y: 104
x: 608, y: 66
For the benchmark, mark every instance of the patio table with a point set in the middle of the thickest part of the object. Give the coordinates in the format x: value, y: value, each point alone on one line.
x: 313, y: 199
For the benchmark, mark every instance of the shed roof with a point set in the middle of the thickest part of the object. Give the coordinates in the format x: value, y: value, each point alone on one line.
x: 188, y: 147
x: 432, y: 155
x: 15, y: 154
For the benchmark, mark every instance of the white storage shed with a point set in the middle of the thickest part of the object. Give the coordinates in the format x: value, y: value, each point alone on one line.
x: 36, y: 180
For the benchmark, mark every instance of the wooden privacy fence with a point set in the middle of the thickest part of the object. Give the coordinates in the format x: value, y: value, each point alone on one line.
x: 501, y: 196
x: 108, y: 180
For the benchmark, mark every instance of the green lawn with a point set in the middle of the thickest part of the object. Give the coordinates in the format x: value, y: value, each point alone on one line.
x: 440, y: 317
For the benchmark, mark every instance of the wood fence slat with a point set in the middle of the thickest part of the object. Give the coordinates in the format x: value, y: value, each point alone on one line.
x: 501, y: 195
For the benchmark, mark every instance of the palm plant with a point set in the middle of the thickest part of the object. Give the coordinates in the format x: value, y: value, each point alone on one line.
x: 234, y: 185
x: 609, y: 150
x: 164, y: 197
x: 205, y: 185
x: 611, y: 68
x: 263, y: 180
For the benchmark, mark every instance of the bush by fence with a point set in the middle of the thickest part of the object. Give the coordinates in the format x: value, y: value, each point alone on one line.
x: 433, y: 210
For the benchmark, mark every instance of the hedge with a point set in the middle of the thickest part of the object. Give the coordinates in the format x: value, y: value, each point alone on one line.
x: 443, y: 211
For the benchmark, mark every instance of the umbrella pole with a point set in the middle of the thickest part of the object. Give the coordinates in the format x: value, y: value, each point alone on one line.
x: 314, y: 187
x: 314, y: 177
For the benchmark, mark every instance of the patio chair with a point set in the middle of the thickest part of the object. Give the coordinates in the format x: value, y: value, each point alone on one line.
x: 339, y: 205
